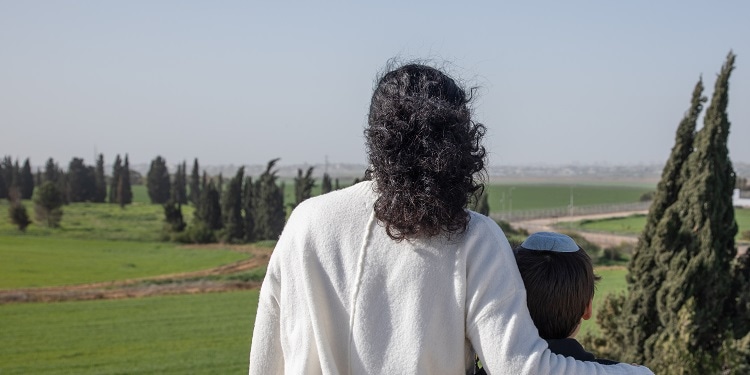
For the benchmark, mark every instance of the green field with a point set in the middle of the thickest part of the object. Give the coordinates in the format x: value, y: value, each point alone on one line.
x: 633, y: 225
x: 546, y: 196
x: 184, y: 334
x: 205, y: 333
x: 45, y: 261
x: 612, y: 281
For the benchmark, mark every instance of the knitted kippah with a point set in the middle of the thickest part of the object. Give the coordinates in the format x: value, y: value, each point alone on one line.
x: 550, y: 241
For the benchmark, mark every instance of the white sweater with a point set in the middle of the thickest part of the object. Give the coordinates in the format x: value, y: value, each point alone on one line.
x: 341, y: 297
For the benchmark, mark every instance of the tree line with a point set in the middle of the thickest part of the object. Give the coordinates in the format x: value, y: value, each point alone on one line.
x: 54, y: 187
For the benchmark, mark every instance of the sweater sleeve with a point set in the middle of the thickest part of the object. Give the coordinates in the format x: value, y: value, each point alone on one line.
x: 266, y: 355
x: 498, y: 322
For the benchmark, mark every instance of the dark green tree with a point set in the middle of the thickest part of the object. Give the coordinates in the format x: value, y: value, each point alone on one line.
x: 3, y: 184
x: 195, y: 183
x: 269, y: 205
x: 248, y: 209
x: 6, y: 170
x: 125, y: 190
x: 208, y: 212
x: 325, y: 184
x: 17, y: 212
x: 640, y: 320
x: 234, y: 226
x: 81, y: 185
x: 26, y: 180
x: 173, y: 216
x: 100, y: 181
x: 48, y: 201
x: 303, y: 185
x: 115, y: 183
x: 179, y: 186
x: 157, y: 181
x: 52, y: 171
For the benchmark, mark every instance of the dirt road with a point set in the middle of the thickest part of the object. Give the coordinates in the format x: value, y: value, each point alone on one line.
x: 601, y: 239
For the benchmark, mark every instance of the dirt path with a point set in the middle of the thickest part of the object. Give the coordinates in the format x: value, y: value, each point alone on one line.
x: 598, y: 238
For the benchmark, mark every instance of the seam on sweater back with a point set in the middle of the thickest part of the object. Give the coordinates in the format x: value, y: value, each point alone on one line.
x: 358, y: 282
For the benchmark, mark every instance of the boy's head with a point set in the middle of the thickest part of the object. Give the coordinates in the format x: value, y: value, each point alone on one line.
x: 559, y: 280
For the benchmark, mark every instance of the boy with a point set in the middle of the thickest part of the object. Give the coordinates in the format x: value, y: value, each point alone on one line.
x: 559, y: 280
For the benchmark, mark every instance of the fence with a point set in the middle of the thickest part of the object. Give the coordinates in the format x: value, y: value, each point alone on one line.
x: 568, y: 211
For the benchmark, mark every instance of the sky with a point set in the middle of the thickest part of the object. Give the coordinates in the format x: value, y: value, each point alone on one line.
x: 243, y: 82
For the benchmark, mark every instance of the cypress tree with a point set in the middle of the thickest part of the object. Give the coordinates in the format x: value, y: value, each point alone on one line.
x: 325, y: 184
x: 208, y: 211
x: 3, y: 184
x: 640, y: 320
x: 179, y: 185
x: 80, y: 181
x: 6, y: 169
x: 124, y: 187
x: 232, y: 209
x: 115, y: 183
x: 248, y: 208
x: 51, y: 171
x: 157, y: 181
x: 269, y: 205
x: 26, y: 180
x: 100, y: 182
x: 195, y: 183
x: 693, y: 301
x: 303, y: 185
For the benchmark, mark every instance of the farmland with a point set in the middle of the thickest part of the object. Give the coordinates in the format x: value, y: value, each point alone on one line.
x: 202, y: 333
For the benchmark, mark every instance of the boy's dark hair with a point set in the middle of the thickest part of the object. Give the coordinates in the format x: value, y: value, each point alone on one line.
x: 559, y: 286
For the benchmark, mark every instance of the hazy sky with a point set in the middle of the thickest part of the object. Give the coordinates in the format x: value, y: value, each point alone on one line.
x: 603, y: 82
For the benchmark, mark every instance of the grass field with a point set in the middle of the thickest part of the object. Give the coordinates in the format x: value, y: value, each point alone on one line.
x: 44, y: 261
x: 634, y: 224
x: 612, y: 281
x: 185, y: 334
x: 544, y: 196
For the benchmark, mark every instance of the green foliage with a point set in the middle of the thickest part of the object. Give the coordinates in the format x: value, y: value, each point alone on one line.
x: 80, y: 181
x: 686, y: 291
x: 208, y: 211
x: 195, y: 183
x: 48, y: 201
x: 303, y: 185
x: 179, y: 185
x: 100, y: 182
x: 173, y: 216
x: 18, y: 215
x: 248, y: 209
x: 325, y: 184
x: 157, y: 181
x: 183, y: 334
x: 115, y: 183
x: 270, y: 214
x: 234, y: 223
x: 26, y: 180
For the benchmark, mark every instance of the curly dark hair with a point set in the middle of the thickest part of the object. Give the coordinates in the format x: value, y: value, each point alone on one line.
x: 425, y: 152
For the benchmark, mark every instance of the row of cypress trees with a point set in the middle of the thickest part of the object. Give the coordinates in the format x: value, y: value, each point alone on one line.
x: 687, y: 307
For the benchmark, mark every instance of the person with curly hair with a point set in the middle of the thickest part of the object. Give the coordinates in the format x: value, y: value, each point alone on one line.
x: 394, y: 275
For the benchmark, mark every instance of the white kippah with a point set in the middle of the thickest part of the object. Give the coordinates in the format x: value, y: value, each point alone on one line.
x: 550, y: 241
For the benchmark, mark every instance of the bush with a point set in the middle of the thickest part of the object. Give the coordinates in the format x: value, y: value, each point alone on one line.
x: 197, y: 233
x: 19, y: 216
x: 745, y: 235
x: 648, y: 196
